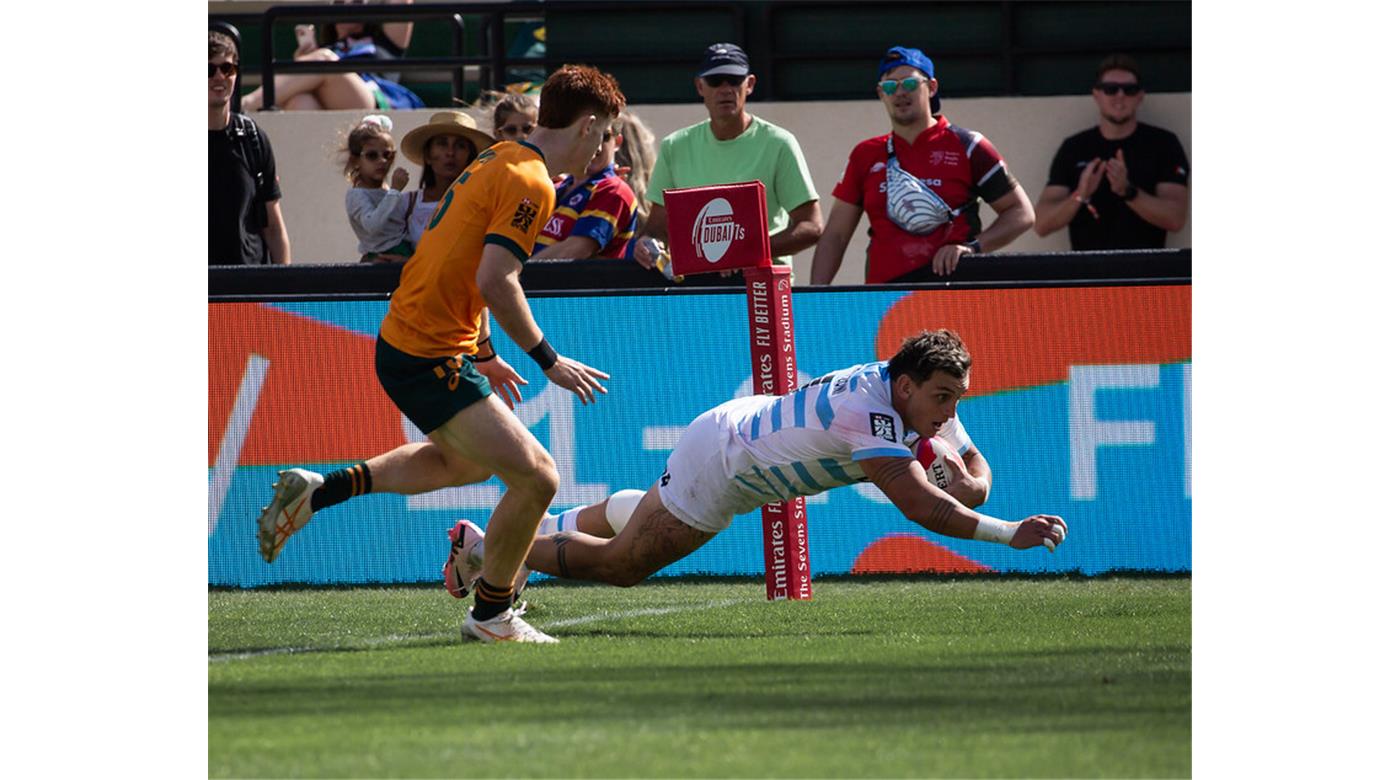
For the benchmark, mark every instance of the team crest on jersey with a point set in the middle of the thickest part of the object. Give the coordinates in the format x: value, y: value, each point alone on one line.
x: 882, y: 426
x: 944, y: 157
x: 525, y: 214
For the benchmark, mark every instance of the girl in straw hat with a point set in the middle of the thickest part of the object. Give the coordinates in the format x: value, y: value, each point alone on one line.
x: 445, y: 146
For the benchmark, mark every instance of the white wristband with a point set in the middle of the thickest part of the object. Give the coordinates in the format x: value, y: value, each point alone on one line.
x: 990, y: 529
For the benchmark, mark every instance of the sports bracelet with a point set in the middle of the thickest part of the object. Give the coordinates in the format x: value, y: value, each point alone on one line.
x: 1085, y: 202
x: 544, y: 355
x: 477, y: 358
x: 990, y: 529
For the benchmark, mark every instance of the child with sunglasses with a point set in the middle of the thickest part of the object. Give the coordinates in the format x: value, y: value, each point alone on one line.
x: 375, y: 207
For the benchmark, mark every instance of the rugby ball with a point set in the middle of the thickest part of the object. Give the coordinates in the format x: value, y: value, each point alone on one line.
x: 934, y: 455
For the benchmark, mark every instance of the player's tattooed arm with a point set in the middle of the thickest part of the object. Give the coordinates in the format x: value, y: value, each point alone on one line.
x: 903, y: 481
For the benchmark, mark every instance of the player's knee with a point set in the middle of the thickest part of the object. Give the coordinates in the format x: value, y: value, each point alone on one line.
x: 542, y: 480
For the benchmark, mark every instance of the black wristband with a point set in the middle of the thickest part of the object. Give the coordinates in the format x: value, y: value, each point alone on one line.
x: 974, y: 245
x: 480, y: 358
x: 1130, y: 193
x: 544, y: 355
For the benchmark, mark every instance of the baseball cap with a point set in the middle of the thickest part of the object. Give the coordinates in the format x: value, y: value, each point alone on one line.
x: 724, y: 59
x: 902, y: 55
x: 914, y: 58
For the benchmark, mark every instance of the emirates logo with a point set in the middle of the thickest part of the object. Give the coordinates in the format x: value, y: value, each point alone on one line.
x: 715, y: 229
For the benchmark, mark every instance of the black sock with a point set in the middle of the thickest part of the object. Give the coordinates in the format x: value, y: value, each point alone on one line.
x: 490, y: 600
x: 341, y: 486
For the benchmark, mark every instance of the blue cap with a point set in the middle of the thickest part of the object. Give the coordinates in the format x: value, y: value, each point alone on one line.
x: 901, y: 55
x: 724, y: 59
x: 914, y: 58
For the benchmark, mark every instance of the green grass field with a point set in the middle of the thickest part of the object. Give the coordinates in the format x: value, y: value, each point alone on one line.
x: 911, y: 677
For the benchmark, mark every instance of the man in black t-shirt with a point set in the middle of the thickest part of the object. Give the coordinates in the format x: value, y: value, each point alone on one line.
x: 245, y: 216
x: 1122, y: 184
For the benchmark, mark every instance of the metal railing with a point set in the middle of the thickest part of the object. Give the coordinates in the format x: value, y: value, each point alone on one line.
x: 493, y: 62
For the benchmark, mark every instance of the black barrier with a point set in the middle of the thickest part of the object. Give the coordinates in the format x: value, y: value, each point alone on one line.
x: 377, y: 280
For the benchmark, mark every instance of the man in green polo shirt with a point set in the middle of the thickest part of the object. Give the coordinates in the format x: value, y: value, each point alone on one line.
x: 736, y: 146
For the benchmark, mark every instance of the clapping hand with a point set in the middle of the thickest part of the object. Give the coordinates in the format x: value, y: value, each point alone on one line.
x: 1090, y: 178
x: 1117, y: 172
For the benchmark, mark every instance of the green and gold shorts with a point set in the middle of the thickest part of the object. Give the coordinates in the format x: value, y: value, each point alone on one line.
x: 429, y: 391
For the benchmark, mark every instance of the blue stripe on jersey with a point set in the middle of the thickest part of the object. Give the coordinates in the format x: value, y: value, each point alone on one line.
x: 791, y: 490
x: 751, y: 486
x: 806, y: 477
x: 799, y: 408
x: 839, y: 474
x: 885, y: 372
x: 753, y: 434
x: 824, y: 413
x: 881, y: 452
x: 777, y: 414
x: 772, y: 491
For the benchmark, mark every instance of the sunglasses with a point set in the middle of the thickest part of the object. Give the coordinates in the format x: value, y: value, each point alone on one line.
x: 890, y: 86
x: 374, y: 155
x: 517, y: 129
x: 1112, y: 87
x: 728, y: 81
x: 226, y: 68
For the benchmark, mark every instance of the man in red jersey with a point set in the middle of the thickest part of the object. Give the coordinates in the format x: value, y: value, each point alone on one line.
x: 921, y: 186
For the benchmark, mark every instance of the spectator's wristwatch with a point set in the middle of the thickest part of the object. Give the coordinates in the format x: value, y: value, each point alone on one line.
x: 974, y: 245
x: 1130, y: 193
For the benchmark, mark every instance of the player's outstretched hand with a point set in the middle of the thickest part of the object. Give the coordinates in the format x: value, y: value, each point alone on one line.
x: 504, y: 381
x: 1038, y: 530
x: 577, y: 378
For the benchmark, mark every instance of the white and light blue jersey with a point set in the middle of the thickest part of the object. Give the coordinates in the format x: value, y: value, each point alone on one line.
x: 813, y: 439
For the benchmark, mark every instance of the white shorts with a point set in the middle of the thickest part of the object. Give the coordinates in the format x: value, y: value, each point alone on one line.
x: 697, y: 487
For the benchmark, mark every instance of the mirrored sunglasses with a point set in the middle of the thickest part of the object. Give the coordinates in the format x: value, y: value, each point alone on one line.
x: 226, y: 68
x: 890, y: 86
x: 374, y: 155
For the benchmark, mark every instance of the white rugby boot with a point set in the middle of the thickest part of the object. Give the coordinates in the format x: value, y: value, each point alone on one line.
x: 505, y: 627
x: 289, y: 511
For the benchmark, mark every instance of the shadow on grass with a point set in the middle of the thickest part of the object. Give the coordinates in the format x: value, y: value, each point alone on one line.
x: 1096, y: 688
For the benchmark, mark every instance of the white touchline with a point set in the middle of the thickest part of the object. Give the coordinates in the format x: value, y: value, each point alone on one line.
x: 601, y: 616
x: 394, y: 639
x: 239, y: 420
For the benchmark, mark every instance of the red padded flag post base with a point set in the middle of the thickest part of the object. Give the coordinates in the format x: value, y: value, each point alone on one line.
x: 722, y: 227
x: 775, y: 373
